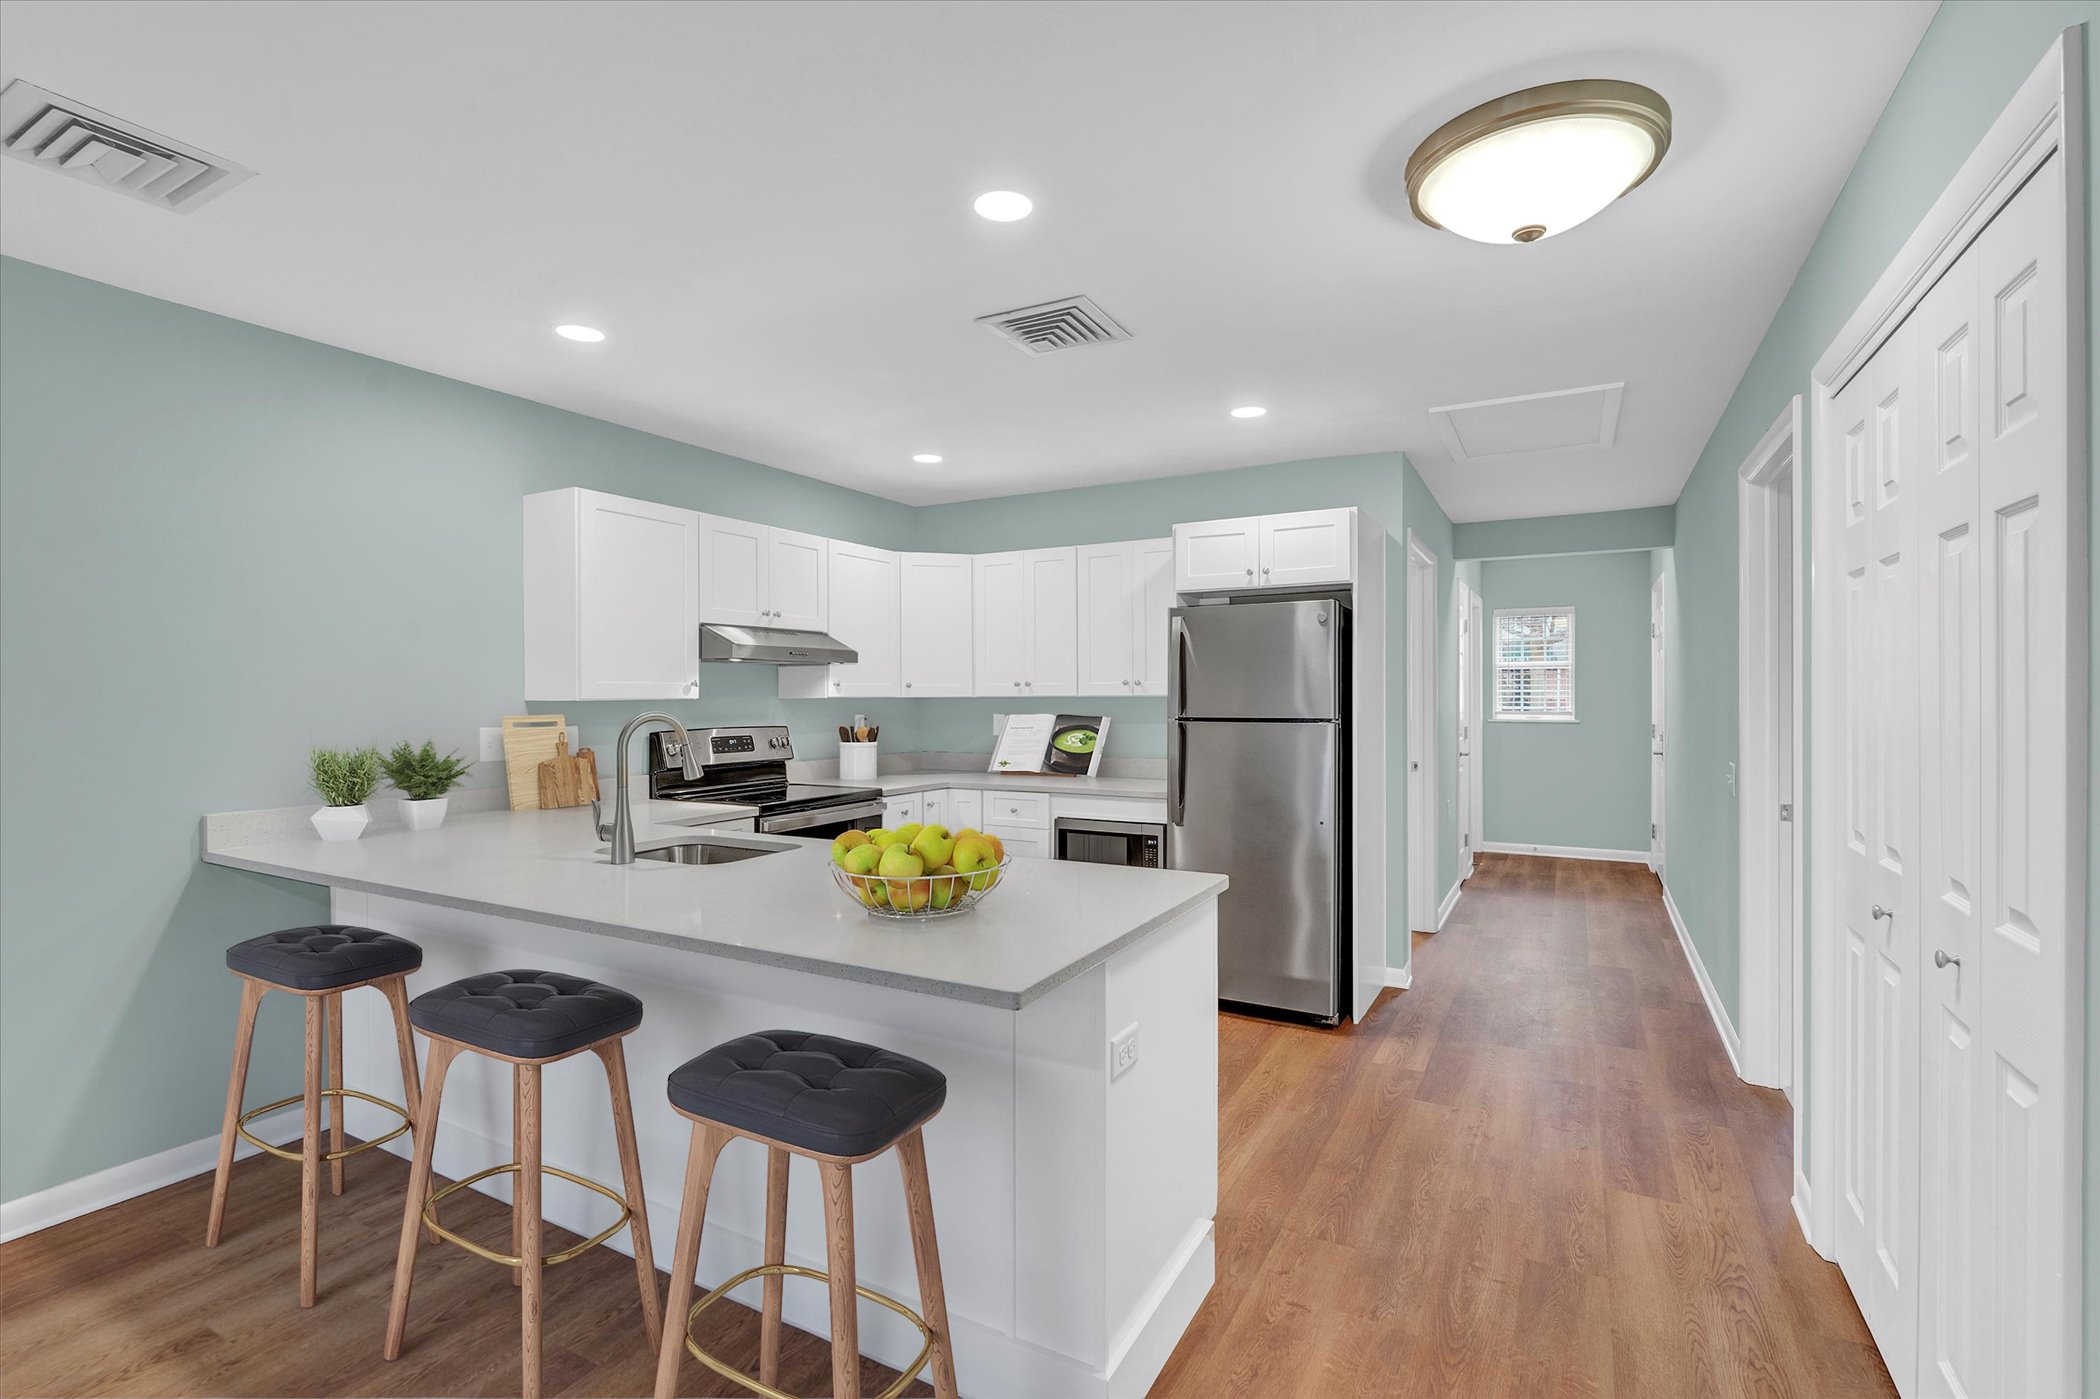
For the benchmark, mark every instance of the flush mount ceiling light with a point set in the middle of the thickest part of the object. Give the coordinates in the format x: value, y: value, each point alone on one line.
x: 1003, y: 206
x: 582, y: 334
x: 1538, y: 162
x: 927, y: 458
x: 1250, y: 411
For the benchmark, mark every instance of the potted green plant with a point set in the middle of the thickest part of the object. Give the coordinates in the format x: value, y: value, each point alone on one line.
x: 344, y: 777
x: 423, y: 779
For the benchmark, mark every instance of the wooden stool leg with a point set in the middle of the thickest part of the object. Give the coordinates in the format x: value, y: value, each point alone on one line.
x: 517, y: 1182
x: 528, y: 1205
x: 700, y: 1157
x: 441, y: 1054
x: 396, y: 992
x: 310, y: 1160
x: 933, y: 1297
x: 845, y: 1305
x: 335, y: 1080
x: 776, y: 1254
x: 615, y: 1059
x: 236, y: 1086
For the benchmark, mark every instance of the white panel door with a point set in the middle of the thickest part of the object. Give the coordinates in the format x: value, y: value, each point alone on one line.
x: 1310, y: 549
x: 1214, y: 554
x: 999, y: 599
x: 1052, y: 622
x: 2031, y: 933
x: 1152, y: 600
x: 936, y: 624
x: 798, y: 588
x: 1468, y: 717
x: 1107, y: 615
x: 732, y: 572
x: 864, y: 615
x: 638, y: 630
x: 1658, y: 720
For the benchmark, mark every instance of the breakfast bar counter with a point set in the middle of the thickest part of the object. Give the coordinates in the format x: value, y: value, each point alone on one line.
x: 1073, y: 1011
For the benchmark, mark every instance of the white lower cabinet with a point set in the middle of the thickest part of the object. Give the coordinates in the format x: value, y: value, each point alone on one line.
x: 965, y: 810
x: 1022, y: 842
x: 933, y: 808
x: 901, y: 810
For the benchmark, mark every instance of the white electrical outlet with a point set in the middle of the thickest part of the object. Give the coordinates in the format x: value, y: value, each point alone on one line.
x: 492, y: 742
x: 1123, y: 1053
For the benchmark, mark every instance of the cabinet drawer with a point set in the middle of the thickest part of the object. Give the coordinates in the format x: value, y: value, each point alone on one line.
x: 1017, y: 809
x: 1021, y: 842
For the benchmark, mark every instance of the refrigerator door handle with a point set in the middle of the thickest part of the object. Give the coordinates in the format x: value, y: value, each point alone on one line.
x: 1178, y: 686
x: 1177, y: 772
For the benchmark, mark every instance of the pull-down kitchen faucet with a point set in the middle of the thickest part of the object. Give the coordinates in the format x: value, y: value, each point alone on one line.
x: 621, y: 832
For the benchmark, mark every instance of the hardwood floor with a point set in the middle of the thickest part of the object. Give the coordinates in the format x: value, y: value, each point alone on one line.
x: 1534, y: 1174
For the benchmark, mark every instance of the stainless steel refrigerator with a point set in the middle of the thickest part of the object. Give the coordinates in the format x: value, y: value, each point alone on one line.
x: 1258, y: 790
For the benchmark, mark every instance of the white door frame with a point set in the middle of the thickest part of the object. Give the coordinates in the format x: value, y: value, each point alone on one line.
x: 1469, y: 643
x: 1658, y: 731
x: 2045, y: 119
x: 1769, y: 914
x: 1422, y: 823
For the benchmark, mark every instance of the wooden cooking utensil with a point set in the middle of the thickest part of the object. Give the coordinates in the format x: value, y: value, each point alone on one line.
x: 567, y: 781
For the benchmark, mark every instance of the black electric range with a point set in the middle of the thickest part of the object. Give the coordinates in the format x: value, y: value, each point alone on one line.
x: 748, y: 767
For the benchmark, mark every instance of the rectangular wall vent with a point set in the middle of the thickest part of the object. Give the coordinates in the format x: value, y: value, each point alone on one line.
x: 72, y: 138
x: 1532, y: 422
x: 1063, y: 324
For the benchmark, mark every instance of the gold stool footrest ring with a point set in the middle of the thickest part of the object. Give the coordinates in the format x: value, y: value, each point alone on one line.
x: 241, y: 1126
x: 789, y: 1270
x: 512, y: 1260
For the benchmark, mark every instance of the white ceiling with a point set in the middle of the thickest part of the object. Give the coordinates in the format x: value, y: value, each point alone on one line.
x: 767, y: 208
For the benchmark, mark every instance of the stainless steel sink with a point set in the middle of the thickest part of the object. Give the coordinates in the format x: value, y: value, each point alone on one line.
x: 704, y: 850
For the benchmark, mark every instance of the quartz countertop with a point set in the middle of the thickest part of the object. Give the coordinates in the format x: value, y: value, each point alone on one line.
x: 1132, y: 788
x: 1047, y: 922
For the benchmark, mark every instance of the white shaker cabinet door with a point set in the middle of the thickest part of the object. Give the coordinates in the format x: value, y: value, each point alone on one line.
x: 637, y: 634
x: 864, y: 615
x: 1152, y: 599
x: 965, y: 809
x: 900, y: 811
x: 732, y: 572
x: 1107, y: 616
x: 1214, y: 554
x: 798, y: 580
x: 999, y: 594
x: 936, y: 628
x: 1313, y: 548
x: 1053, y: 622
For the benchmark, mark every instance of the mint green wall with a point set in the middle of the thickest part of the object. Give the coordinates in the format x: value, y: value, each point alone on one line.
x: 1604, y: 532
x: 219, y: 546
x: 1583, y: 784
x: 1968, y: 65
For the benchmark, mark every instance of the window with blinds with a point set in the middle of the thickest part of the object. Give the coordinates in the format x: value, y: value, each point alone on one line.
x: 1535, y: 663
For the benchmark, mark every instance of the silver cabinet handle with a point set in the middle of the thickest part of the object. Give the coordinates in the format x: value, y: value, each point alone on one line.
x: 1250, y: 573
x: 1264, y: 570
x: 907, y: 684
x: 1888, y: 913
x: 1941, y: 959
x: 1017, y: 684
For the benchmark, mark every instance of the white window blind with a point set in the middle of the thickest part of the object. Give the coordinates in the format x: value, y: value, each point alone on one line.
x: 1535, y: 663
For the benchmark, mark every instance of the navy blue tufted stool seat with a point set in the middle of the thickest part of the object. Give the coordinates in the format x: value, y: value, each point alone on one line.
x: 317, y: 964
x: 528, y: 1019
x: 839, y: 1102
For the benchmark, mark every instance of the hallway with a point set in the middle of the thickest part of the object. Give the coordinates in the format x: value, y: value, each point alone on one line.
x: 1533, y: 1174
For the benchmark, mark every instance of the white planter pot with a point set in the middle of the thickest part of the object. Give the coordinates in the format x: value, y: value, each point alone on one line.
x: 423, y: 815
x: 341, y: 822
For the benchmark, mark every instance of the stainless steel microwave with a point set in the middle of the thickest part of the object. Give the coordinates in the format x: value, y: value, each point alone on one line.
x: 1140, y: 844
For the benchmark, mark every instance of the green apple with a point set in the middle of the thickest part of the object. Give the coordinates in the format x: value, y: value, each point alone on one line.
x: 846, y: 842
x: 934, y: 846
x: 900, y: 863
x: 909, y: 832
x: 888, y: 838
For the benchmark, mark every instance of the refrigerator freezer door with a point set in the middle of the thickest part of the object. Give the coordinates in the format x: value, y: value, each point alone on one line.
x: 1260, y: 802
x: 1256, y: 660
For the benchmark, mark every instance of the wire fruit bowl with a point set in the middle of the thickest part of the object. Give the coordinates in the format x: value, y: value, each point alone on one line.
x: 920, y: 897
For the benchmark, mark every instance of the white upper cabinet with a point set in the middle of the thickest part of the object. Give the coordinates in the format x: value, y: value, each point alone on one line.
x: 1026, y: 622
x: 1053, y: 622
x: 1215, y: 554
x: 1107, y: 620
x: 611, y: 598
x: 1153, y: 599
x: 999, y: 596
x: 758, y: 576
x: 1312, y: 548
x: 936, y: 628
x: 864, y: 614
x: 1307, y: 549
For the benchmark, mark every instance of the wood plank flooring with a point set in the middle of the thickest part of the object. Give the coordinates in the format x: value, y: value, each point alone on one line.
x: 1534, y: 1174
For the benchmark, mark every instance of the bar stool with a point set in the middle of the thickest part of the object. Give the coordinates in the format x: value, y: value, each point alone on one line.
x: 318, y: 963
x: 528, y: 1019
x: 838, y: 1103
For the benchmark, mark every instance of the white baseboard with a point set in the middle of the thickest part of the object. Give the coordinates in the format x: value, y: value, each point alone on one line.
x: 1729, y: 1039
x: 1566, y: 852
x: 1401, y: 977
x: 1443, y: 910
x: 117, y: 1184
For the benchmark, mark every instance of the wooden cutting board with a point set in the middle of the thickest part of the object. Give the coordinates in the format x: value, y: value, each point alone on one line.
x: 528, y: 741
x: 567, y: 781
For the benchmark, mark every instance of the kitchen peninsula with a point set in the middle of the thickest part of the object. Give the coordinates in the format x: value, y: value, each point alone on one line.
x: 1075, y: 1202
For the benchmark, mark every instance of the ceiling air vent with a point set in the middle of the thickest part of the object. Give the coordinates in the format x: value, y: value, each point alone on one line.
x: 74, y: 139
x: 1063, y: 324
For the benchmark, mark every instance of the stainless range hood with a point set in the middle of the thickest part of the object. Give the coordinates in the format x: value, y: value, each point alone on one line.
x: 772, y: 646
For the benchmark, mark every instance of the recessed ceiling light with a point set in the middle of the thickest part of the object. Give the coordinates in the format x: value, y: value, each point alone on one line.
x: 1003, y: 206
x: 582, y: 333
x: 1538, y: 162
x: 1250, y: 411
x: 926, y: 458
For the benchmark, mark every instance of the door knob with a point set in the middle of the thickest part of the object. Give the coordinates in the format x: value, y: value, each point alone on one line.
x: 1888, y: 913
x: 1941, y: 959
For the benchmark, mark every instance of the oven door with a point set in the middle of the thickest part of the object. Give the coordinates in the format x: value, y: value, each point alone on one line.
x: 824, y: 822
x: 1090, y: 840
